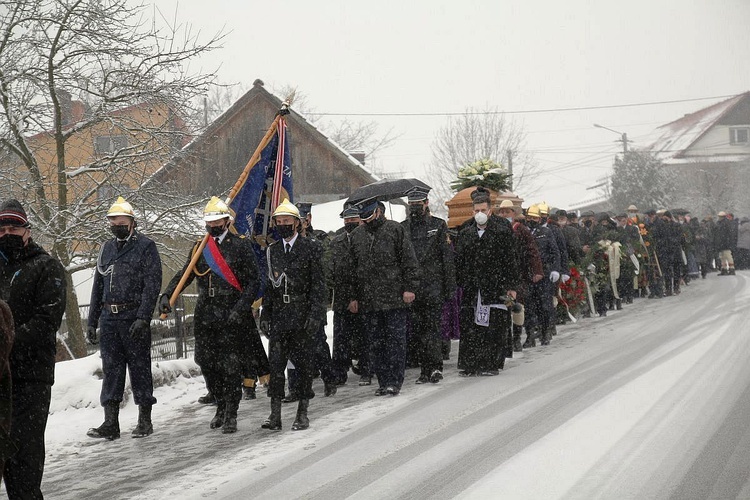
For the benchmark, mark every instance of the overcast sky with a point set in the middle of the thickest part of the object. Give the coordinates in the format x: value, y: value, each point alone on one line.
x: 433, y: 56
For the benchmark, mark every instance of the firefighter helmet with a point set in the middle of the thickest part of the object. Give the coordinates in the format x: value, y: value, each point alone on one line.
x: 533, y: 211
x: 121, y: 207
x: 286, y: 208
x: 215, y: 210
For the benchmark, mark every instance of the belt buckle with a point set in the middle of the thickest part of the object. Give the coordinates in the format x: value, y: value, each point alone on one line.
x: 113, y: 309
x: 287, y: 298
x: 212, y: 292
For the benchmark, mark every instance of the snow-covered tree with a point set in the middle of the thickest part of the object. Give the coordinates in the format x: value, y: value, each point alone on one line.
x: 91, y: 98
x: 475, y: 135
x: 639, y: 178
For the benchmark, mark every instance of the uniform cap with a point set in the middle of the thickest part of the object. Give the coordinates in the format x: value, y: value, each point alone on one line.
x: 304, y: 209
x: 215, y: 210
x: 286, y: 208
x: 349, y: 212
x: 13, y: 214
x: 121, y: 207
x: 416, y: 195
x: 588, y: 213
x: 561, y: 213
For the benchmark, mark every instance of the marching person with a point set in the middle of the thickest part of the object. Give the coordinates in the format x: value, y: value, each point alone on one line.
x: 126, y: 286
x: 724, y: 241
x: 294, y: 309
x: 34, y: 287
x: 487, y: 271
x: 228, y: 282
x: 429, y: 238
x: 383, y: 281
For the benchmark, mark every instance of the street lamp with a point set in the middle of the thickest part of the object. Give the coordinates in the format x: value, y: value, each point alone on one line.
x: 624, y: 136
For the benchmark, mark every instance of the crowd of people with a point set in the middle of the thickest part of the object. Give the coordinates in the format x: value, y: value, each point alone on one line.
x: 400, y: 294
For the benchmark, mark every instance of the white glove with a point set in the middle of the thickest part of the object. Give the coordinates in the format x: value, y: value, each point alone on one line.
x: 565, y: 278
x: 591, y: 268
x: 554, y: 276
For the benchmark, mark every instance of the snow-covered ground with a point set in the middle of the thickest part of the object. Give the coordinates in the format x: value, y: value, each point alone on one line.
x: 650, y: 402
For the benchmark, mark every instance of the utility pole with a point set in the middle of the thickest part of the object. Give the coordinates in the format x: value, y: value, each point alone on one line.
x: 509, y: 152
x: 623, y: 135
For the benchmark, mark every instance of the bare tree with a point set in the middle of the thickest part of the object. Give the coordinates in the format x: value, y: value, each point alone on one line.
x: 472, y: 136
x: 640, y: 178
x: 127, y: 75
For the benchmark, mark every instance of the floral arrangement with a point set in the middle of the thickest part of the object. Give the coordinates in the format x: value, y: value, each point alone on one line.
x: 485, y: 173
x: 573, y: 291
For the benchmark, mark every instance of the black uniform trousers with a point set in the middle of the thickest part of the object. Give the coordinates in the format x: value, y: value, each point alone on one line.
x: 425, y: 330
x: 348, y: 336
x: 219, y: 353
x: 120, y: 352
x: 670, y: 267
x: 24, y: 469
x: 321, y: 362
x: 539, y: 307
x: 387, y: 332
x: 298, y: 347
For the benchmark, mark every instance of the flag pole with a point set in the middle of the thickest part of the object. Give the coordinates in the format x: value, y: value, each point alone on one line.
x: 284, y: 110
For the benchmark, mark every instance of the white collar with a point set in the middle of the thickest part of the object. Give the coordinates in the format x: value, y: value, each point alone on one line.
x: 291, y: 242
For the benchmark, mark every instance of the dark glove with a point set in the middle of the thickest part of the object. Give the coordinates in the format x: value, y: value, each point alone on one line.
x: 91, y: 335
x: 140, y: 329
x: 235, y: 317
x: 312, y: 326
x: 164, y: 307
x: 265, y: 328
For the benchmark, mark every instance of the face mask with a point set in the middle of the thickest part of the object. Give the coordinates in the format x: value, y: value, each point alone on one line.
x: 481, y: 218
x: 215, y: 231
x: 587, y: 223
x: 351, y: 226
x: 285, y: 230
x: 11, y: 246
x: 121, y: 231
x: 416, y: 211
x: 532, y: 223
x: 374, y: 224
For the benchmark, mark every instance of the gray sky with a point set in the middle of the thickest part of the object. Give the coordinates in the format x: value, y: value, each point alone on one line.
x: 431, y: 56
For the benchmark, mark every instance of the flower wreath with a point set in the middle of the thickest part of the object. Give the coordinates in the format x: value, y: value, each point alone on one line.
x: 485, y: 173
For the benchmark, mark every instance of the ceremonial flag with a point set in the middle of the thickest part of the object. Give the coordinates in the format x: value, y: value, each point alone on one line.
x: 218, y: 264
x: 260, y: 194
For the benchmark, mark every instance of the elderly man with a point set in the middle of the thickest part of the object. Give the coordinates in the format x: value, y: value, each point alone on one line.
x: 34, y: 286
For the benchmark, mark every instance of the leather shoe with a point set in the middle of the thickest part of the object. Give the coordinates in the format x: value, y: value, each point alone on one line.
x: 423, y: 379
x: 330, y: 390
x: 290, y: 398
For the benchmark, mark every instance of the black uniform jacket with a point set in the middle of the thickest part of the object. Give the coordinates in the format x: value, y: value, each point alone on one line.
x: 488, y: 264
x: 429, y: 237
x: 384, y: 266
x: 338, y: 262
x: 126, y: 280
x: 216, y: 297
x: 548, y: 251
x: 296, y: 288
x: 34, y: 287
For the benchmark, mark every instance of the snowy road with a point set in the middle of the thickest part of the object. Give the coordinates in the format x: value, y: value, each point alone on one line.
x: 650, y: 402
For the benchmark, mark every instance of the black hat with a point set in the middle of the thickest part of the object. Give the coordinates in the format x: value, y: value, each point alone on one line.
x: 680, y: 211
x: 367, y: 207
x: 304, y: 209
x: 603, y: 216
x: 13, y: 214
x: 622, y: 215
x: 561, y: 213
x: 667, y: 213
x: 651, y: 211
x: 349, y: 212
x: 416, y: 195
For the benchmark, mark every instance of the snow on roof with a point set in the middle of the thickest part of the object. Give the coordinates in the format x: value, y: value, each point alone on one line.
x: 670, y: 141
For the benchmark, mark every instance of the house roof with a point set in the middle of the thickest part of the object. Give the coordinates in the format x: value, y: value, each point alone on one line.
x: 258, y: 90
x: 670, y: 141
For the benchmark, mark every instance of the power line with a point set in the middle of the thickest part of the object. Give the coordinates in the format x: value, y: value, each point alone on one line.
x: 529, y: 111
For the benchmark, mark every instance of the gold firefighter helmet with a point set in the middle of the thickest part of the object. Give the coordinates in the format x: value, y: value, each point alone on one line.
x: 543, y: 208
x: 121, y: 207
x: 533, y: 211
x: 286, y: 208
x: 215, y: 210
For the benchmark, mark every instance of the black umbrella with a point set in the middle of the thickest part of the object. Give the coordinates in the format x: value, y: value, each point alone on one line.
x: 387, y: 189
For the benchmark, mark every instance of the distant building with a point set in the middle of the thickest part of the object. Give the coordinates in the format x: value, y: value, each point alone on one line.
x: 212, y: 162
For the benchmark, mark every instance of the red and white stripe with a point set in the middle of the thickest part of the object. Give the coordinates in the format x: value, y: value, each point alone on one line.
x: 11, y: 217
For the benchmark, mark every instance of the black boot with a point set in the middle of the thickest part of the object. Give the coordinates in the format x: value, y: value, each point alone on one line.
x: 517, y: 331
x: 144, y: 427
x: 248, y: 393
x: 530, y: 338
x: 230, y: 418
x: 110, y: 429
x: 618, y: 304
x: 273, y: 422
x: 208, y: 399
x: 546, y: 335
x: 301, y: 422
x: 218, y: 419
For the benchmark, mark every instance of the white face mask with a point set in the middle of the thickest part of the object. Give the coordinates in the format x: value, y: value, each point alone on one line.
x: 481, y: 218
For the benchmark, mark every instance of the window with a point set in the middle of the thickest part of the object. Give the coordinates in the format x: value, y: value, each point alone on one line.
x: 739, y: 135
x: 110, y: 144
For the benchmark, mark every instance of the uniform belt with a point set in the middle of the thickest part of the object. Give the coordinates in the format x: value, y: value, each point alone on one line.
x: 216, y: 292
x: 288, y: 299
x: 118, y: 308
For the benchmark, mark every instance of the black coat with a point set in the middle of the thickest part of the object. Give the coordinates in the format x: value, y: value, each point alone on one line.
x: 34, y: 287
x: 572, y: 236
x: 337, y: 264
x: 548, y: 250
x: 215, y: 306
x: 383, y: 267
x: 562, y: 247
x: 488, y: 264
x: 298, y: 275
x: 724, y: 235
x: 429, y: 237
x: 131, y: 275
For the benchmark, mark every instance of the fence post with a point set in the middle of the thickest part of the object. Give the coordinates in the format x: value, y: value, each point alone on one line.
x: 179, y: 310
